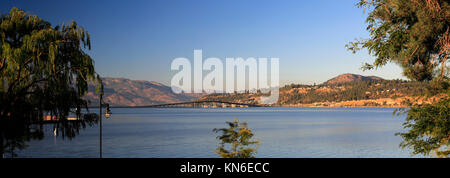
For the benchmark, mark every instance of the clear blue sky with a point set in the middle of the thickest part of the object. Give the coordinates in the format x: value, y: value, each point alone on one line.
x: 139, y: 39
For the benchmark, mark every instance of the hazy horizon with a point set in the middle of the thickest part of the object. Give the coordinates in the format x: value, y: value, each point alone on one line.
x: 282, y: 84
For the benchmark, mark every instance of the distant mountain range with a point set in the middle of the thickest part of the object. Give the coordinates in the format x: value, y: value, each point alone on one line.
x: 345, y: 78
x: 126, y: 92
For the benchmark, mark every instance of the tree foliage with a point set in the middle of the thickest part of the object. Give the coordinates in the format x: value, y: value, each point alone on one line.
x: 429, y: 129
x: 412, y: 33
x: 43, y: 70
x: 238, y: 137
x: 416, y: 35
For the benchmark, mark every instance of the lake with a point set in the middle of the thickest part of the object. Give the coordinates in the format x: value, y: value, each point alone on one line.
x: 187, y: 132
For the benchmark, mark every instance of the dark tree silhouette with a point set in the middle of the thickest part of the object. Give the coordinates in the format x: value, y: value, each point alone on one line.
x: 43, y: 71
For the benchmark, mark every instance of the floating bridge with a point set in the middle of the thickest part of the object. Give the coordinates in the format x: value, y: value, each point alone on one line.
x: 196, y: 104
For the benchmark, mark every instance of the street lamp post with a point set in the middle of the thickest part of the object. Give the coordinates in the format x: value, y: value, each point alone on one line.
x: 100, y: 115
x: 107, y: 115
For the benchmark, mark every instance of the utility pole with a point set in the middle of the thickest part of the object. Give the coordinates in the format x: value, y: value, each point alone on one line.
x: 100, y: 115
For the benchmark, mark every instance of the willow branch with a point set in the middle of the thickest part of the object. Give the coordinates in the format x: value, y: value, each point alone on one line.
x: 3, y: 63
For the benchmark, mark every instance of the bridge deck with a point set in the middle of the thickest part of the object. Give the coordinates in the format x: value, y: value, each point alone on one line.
x: 190, y: 103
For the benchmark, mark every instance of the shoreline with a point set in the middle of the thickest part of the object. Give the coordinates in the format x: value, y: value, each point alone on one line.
x: 341, y: 106
x: 267, y: 107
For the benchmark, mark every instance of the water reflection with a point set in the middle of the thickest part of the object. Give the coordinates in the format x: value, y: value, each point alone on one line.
x: 16, y: 132
x: 186, y: 132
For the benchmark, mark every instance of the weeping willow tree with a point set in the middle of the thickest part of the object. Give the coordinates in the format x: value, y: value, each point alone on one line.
x: 238, y: 138
x: 43, y: 70
x: 414, y: 34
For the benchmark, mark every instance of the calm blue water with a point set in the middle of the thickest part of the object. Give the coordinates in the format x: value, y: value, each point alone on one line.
x: 187, y: 132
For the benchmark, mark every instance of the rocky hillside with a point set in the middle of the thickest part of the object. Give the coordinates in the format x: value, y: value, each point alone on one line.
x: 343, y: 90
x: 346, y: 78
x: 126, y: 92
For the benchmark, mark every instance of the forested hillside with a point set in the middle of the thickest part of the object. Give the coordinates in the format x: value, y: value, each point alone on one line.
x: 372, y: 93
